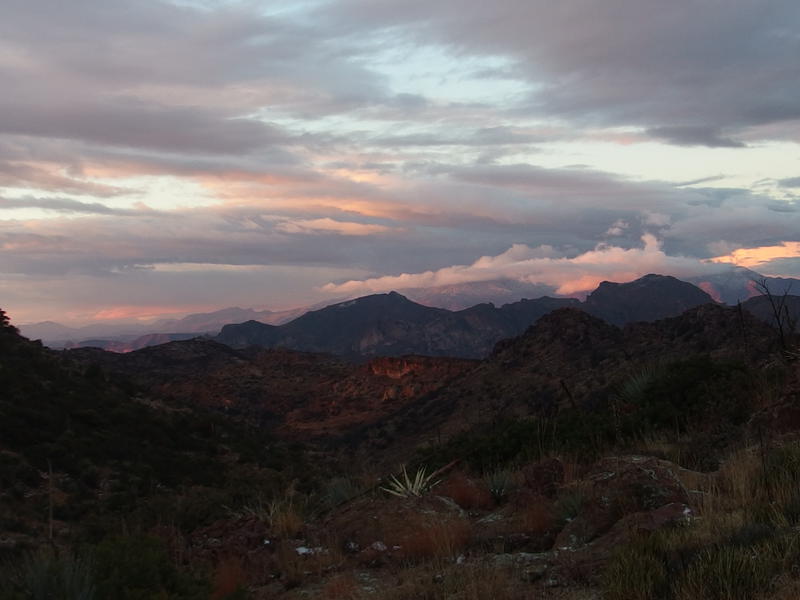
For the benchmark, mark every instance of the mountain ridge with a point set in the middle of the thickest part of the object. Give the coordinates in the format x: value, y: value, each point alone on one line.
x: 399, y: 326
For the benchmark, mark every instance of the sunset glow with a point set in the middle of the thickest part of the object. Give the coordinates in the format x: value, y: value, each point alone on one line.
x: 157, y: 156
x: 755, y: 257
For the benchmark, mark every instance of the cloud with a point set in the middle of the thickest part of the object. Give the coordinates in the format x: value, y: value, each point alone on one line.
x: 791, y: 182
x: 37, y: 176
x: 754, y: 258
x: 367, y: 137
x: 694, y: 136
x: 569, y: 275
x: 679, y: 69
x: 67, y: 205
x: 618, y: 228
x: 327, y: 225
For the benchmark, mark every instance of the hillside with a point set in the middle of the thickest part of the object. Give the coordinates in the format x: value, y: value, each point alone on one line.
x: 570, y: 360
x: 575, y: 461
x: 298, y: 395
x: 101, y: 451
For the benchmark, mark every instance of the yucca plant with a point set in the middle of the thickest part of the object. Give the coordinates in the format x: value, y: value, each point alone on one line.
x: 406, y: 487
x: 500, y: 483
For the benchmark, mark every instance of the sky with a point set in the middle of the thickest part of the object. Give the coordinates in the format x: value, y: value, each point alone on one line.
x: 159, y: 158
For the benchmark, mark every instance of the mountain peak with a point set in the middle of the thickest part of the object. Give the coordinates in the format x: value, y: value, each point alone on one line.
x: 648, y: 298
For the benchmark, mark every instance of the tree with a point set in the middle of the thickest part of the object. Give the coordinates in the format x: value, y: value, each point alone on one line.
x: 5, y: 322
x: 784, y: 321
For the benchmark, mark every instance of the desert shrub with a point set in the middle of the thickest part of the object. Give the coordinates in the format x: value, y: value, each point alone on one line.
x: 229, y: 580
x: 139, y: 568
x: 406, y: 486
x: 465, y: 492
x: 45, y: 575
x: 339, y: 490
x: 685, y: 564
x: 509, y: 443
x: 636, y: 572
x: 463, y: 582
x: 436, y: 538
x: 677, y: 395
x: 775, y: 493
x: 728, y: 573
x: 569, y: 504
x: 500, y: 483
x: 342, y: 587
x: 711, y: 398
x: 538, y: 518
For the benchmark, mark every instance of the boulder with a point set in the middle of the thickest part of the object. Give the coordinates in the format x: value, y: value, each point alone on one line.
x: 544, y: 476
x: 621, y: 486
x: 382, y: 529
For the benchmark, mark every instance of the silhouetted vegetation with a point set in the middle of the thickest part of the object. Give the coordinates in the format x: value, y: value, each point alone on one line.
x: 708, y: 400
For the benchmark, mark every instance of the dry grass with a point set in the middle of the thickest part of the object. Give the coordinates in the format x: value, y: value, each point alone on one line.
x: 342, y: 587
x: 229, y: 576
x: 465, y: 492
x: 663, y: 446
x: 744, y: 546
x: 457, y: 582
x: 285, y: 520
x: 786, y: 588
x: 573, y: 470
x: 436, y: 538
x: 538, y: 518
x: 739, y: 480
x: 294, y: 568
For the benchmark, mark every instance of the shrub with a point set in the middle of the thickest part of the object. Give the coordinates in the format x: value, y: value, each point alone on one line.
x: 569, y: 504
x: 500, y: 483
x: 436, y: 538
x: 44, y: 575
x: 636, y: 572
x: 139, y: 568
x: 229, y: 580
x: 406, y: 487
x: 341, y: 587
x: 465, y: 492
x: 537, y: 518
x: 339, y: 490
x: 728, y: 573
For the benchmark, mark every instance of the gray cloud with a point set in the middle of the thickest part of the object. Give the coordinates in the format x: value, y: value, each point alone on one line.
x: 67, y: 205
x: 21, y: 174
x: 687, y: 70
x: 694, y: 136
x: 318, y: 161
x: 791, y: 182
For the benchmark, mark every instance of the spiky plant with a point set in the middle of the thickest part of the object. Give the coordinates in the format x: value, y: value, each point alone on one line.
x: 406, y: 487
x: 500, y: 483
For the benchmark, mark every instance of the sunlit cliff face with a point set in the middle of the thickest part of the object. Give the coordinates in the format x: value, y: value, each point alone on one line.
x: 164, y: 157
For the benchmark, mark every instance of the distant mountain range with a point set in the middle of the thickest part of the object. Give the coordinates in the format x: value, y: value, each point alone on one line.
x: 737, y: 284
x: 568, y: 357
x: 132, y: 336
x: 464, y: 295
x: 453, y: 320
x: 392, y: 325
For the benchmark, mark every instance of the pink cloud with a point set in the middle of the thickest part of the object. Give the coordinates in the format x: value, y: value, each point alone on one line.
x: 755, y: 257
x: 569, y: 275
x: 328, y: 225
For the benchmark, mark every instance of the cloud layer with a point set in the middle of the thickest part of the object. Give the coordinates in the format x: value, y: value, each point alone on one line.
x: 573, y: 275
x: 284, y: 154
